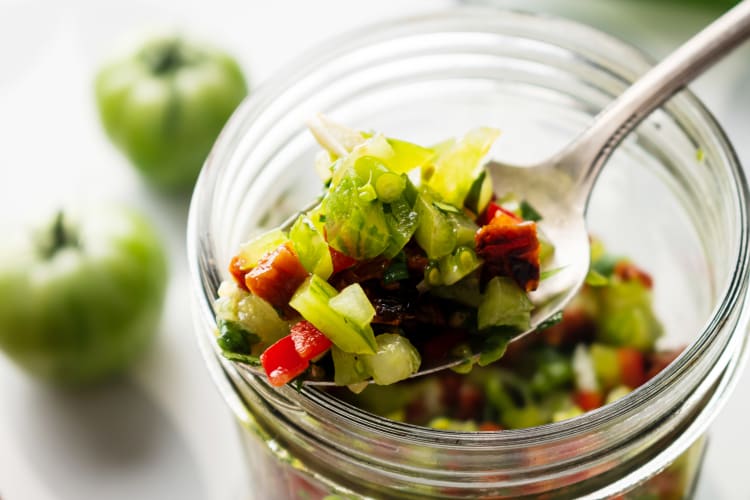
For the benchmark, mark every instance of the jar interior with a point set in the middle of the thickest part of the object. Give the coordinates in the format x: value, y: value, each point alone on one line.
x: 643, y: 207
x: 658, y: 201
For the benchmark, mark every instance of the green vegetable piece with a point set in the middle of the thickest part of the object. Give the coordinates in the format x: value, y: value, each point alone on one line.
x: 480, y: 193
x: 567, y: 413
x: 449, y: 424
x: 553, y: 371
x: 355, y: 227
x: 397, y: 270
x: 435, y: 233
x: 408, y: 156
x: 465, y: 229
x: 616, y: 393
x: 594, y: 278
x: 452, y: 268
x: 234, y: 338
x: 530, y: 415
x: 353, y: 304
x: 311, y: 300
x: 528, y: 212
x: 456, y: 167
x: 396, y: 359
x: 546, y: 248
x: 311, y: 247
x: 465, y: 291
x: 402, y: 222
x: 625, y: 316
x: 389, y: 186
x: 259, y: 317
x: 164, y: 106
x: 248, y: 359
x: 504, y: 303
x: 348, y: 368
x: 494, y: 346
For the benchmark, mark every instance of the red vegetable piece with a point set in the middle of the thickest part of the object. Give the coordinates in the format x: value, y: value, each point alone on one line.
x: 340, y: 261
x: 309, y: 342
x: 490, y: 426
x: 282, y: 363
x: 510, y: 248
x: 492, y: 210
x: 277, y: 276
x: 235, y: 269
x: 588, y: 400
x: 660, y: 360
x: 627, y: 271
x: 632, y: 366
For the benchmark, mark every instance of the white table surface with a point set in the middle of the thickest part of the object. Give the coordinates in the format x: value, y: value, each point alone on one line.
x: 162, y: 431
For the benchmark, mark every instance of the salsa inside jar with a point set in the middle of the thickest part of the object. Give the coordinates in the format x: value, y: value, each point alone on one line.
x: 409, y: 256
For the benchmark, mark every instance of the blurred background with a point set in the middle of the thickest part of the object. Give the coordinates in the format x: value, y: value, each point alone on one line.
x: 162, y: 430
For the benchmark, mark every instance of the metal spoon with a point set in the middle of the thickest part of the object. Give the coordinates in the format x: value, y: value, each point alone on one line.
x: 559, y: 187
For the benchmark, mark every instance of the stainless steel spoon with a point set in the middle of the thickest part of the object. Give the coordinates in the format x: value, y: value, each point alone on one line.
x: 559, y: 187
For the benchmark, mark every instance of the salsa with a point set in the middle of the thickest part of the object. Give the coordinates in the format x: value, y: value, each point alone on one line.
x: 409, y: 255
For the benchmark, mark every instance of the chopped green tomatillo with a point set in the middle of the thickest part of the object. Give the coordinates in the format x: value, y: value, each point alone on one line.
x: 312, y: 300
x: 311, y: 247
x: 504, y: 304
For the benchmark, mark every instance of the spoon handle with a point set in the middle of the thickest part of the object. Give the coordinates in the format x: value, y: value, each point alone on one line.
x: 613, y: 123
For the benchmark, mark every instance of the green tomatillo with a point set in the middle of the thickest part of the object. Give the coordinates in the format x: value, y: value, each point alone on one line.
x: 165, y: 105
x: 85, y: 299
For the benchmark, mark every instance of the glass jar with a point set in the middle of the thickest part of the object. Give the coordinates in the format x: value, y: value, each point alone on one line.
x: 673, y: 197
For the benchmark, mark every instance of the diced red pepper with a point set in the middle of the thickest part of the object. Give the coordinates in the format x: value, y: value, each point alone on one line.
x: 492, y: 210
x: 340, y: 261
x: 588, y: 400
x: 632, y: 366
x: 627, y: 271
x: 489, y: 427
x: 235, y: 269
x: 510, y: 247
x: 282, y: 363
x: 309, y: 342
x: 277, y: 276
x: 660, y: 360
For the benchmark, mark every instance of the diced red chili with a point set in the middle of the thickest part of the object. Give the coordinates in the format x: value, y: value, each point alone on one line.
x: 492, y: 210
x: 277, y: 276
x: 489, y: 427
x: 235, y: 269
x: 340, y: 261
x: 282, y: 363
x: 628, y: 271
x: 588, y: 400
x: 309, y: 342
x: 660, y: 360
x: 510, y: 248
x: 632, y: 366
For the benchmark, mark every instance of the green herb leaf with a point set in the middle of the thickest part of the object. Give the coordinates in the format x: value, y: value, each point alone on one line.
x: 528, y: 212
